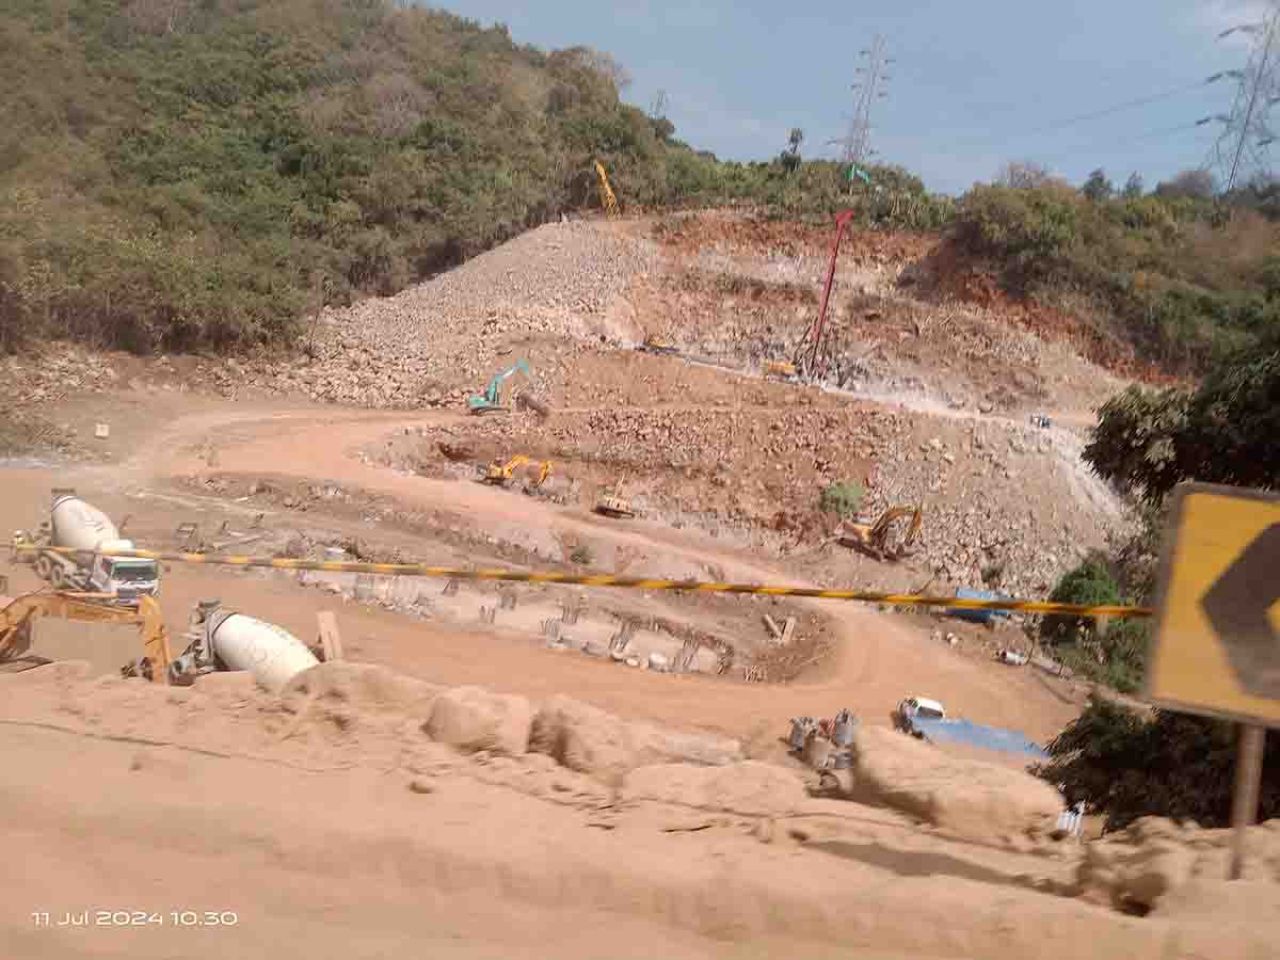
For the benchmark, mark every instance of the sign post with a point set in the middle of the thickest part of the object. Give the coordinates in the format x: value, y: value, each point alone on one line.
x: 1216, y: 648
x: 1244, y: 801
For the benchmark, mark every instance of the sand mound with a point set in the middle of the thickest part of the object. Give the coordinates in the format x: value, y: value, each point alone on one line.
x: 589, y: 740
x: 967, y: 798
x: 1155, y: 863
x: 473, y: 719
x: 749, y: 788
x: 349, y: 714
x: 365, y: 686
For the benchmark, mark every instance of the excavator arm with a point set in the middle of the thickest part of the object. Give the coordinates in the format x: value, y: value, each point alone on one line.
x: 491, y: 399
x: 17, y: 617
x: 502, y: 473
x: 873, y: 538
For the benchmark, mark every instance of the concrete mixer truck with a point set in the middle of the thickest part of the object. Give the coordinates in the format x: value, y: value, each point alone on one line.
x: 76, y: 525
x: 219, y: 639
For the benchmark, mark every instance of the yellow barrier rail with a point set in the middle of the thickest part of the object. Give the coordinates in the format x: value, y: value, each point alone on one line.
x: 609, y: 580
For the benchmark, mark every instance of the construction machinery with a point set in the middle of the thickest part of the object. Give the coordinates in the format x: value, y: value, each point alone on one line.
x: 659, y: 345
x: 219, y: 639
x: 613, y: 504
x: 19, y: 615
x: 68, y: 551
x: 216, y: 639
x: 608, y: 201
x: 873, y: 538
x: 809, y: 356
x: 779, y: 369
x: 500, y: 474
x: 491, y: 401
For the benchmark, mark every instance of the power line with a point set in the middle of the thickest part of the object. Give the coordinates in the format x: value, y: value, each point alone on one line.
x: 1092, y: 114
x: 1123, y: 141
x: 1121, y: 107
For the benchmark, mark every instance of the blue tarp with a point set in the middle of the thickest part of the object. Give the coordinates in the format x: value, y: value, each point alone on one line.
x: 976, y: 616
x: 975, y: 735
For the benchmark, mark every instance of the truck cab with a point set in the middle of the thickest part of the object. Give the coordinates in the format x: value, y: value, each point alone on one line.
x: 125, y: 578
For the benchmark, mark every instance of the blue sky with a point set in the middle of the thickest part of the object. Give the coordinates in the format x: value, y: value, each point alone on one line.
x: 975, y: 84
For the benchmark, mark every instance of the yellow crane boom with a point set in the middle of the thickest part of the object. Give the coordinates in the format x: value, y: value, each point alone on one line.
x: 607, y: 199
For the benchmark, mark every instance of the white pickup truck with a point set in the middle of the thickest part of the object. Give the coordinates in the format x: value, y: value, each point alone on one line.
x: 913, y: 708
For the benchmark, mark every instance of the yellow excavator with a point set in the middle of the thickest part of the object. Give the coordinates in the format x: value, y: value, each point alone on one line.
x: 18, y: 616
x: 873, y: 538
x: 656, y: 344
x: 500, y: 474
x: 779, y: 369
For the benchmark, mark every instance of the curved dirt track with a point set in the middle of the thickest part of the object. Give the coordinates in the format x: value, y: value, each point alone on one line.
x: 879, y: 658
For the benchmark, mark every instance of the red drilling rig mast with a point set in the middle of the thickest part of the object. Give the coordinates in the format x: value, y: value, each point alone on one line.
x: 808, y: 355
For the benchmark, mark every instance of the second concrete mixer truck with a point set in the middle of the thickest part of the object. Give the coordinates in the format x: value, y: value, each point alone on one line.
x: 76, y: 525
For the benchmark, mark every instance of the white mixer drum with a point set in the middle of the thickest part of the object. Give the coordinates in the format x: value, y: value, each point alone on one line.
x: 272, y: 654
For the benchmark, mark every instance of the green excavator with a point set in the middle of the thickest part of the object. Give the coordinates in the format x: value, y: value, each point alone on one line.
x: 491, y: 401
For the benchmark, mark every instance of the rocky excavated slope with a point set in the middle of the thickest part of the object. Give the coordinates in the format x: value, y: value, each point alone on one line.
x: 1004, y: 504
x: 435, y: 342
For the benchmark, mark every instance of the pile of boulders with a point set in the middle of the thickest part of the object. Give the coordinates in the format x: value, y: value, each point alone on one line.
x: 435, y: 342
x: 52, y: 373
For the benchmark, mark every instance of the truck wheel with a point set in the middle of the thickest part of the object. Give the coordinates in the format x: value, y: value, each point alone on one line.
x: 58, y: 578
x: 44, y: 568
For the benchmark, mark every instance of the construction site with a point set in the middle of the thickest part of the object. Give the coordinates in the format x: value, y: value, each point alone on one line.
x: 306, y: 750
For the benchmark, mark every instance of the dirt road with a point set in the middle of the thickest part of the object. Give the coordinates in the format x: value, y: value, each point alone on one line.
x: 878, y: 659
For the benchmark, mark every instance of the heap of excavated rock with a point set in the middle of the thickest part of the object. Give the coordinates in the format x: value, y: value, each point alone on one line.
x: 52, y: 373
x: 435, y: 342
x: 755, y: 465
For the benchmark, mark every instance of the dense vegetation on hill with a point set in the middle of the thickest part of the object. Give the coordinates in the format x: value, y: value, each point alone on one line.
x: 193, y: 174
x: 200, y: 173
x: 1178, y: 279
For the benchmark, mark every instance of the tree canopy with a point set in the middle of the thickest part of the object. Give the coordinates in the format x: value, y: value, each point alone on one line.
x: 1127, y: 765
x: 1225, y: 431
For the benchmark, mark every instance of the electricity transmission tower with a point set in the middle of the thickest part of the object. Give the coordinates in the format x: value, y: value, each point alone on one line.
x: 658, y: 106
x: 1247, y: 133
x: 873, y: 76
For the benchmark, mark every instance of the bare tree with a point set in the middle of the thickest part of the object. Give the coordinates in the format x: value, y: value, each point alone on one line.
x: 1024, y: 175
x: 1133, y: 187
x: 1189, y: 183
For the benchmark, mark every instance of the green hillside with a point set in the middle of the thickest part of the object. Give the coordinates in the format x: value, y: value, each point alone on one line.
x: 201, y: 173
x: 188, y: 173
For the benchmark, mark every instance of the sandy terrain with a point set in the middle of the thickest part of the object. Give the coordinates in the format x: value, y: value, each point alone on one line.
x: 339, y: 841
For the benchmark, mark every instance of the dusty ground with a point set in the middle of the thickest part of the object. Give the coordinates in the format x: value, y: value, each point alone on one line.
x: 930, y: 407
